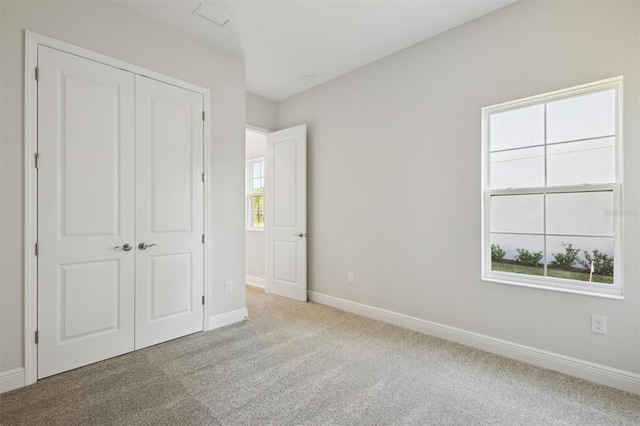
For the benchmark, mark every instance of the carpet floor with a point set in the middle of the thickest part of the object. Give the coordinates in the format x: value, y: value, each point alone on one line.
x: 299, y: 363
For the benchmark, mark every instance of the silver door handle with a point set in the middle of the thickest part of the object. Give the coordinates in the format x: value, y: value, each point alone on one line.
x: 125, y: 247
x: 144, y: 246
x: 301, y: 235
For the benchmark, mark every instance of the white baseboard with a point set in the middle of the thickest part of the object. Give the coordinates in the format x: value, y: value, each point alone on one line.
x: 228, y: 318
x: 255, y: 281
x: 11, y: 379
x: 620, y: 379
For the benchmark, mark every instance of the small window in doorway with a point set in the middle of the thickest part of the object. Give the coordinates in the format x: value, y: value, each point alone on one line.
x: 255, y: 194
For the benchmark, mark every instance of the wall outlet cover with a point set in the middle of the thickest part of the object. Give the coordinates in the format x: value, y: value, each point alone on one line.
x: 598, y: 324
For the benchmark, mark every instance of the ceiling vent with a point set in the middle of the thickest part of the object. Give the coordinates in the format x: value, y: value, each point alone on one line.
x: 211, y: 15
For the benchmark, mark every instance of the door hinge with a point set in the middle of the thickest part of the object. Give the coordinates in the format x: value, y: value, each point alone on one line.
x: 202, y: 300
x: 37, y: 74
x: 202, y: 177
x: 202, y: 115
x: 202, y: 238
x: 37, y: 159
x: 37, y: 249
x: 37, y: 337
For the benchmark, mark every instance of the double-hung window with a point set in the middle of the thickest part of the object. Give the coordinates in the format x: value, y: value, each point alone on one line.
x: 255, y: 194
x: 552, y: 196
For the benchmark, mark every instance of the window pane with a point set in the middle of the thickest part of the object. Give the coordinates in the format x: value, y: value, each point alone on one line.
x: 517, y: 169
x: 575, y: 163
x: 584, y: 213
x: 600, y: 250
x: 257, y: 169
x: 517, y: 128
x: 257, y: 185
x: 527, y: 244
x: 257, y: 211
x: 517, y: 213
x: 586, y: 116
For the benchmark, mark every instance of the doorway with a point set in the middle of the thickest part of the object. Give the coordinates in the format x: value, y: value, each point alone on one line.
x: 276, y: 205
x: 255, y: 243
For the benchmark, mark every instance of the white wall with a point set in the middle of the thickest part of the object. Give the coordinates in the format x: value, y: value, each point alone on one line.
x: 113, y: 30
x: 261, y: 112
x: 394, y: 174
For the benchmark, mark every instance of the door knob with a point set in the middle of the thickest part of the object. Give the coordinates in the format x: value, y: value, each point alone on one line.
x: 125, y: 247
x: 143, y: 246
x: 301, y: 235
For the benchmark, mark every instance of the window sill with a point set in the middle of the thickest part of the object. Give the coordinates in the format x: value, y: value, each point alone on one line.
x: 606, y: 293
x: 255, y: 229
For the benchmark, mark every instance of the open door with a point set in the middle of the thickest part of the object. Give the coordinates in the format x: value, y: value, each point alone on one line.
x: 286, y: 213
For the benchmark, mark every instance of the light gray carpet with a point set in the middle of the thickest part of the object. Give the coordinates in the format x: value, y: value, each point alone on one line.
x: 302, y: 363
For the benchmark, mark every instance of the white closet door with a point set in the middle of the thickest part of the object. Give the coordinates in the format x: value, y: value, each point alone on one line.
x: 169, y: 212
x: 85, y: 210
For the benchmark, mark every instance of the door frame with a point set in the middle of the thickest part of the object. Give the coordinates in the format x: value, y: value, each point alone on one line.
x: 32, y: 41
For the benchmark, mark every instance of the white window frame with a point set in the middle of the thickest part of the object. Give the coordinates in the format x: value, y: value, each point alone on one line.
x: 249, y: 195
x: 615, y: 290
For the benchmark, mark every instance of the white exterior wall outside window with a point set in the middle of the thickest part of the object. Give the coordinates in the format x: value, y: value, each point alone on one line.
x: 255, y: 194
x: 551, y: 184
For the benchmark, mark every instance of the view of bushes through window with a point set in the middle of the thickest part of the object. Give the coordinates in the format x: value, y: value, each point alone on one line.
x: 573, y: 264
x: 257, y: 210
x: 255, y: 181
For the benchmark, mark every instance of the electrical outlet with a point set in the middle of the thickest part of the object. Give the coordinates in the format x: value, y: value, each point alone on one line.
x: 228, y: 286
x: 350, y: 278
x: 598, y: 324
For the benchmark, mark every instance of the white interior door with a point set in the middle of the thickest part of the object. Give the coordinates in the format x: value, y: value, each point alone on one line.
x: 85, y: 206
x: 286, y: 213
x: 169, y: 212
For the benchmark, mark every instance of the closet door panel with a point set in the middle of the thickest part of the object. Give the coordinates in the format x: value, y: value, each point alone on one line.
x: 169, y: 212
x: 85, y: 210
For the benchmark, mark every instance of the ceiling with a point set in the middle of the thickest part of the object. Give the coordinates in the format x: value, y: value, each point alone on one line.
x: 282, y: 40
